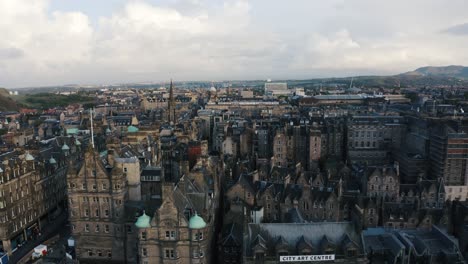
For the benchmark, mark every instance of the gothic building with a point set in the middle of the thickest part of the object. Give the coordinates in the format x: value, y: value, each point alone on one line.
x: 97, y: 192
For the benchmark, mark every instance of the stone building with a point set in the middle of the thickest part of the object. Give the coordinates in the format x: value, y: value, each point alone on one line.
x: 97, y: 192
x: 371, y: 139
x: 180, y: 230
x: 315, y: 147
x: 280, y: 150
x: 32, y: 192
x: 384, y: 182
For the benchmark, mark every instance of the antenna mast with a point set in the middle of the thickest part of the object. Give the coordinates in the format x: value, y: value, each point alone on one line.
x: 92, y: 131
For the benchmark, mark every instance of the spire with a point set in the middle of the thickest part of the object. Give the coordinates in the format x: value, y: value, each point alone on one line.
x: 171, y: 105
x: 171, y: 93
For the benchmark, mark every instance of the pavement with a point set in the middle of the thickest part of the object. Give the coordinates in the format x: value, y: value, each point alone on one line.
x: 56, y: 227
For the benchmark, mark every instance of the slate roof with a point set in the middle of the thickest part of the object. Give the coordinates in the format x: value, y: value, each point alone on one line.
x: 231, y: 235
x: 428, y: 242
x: 292, y: 233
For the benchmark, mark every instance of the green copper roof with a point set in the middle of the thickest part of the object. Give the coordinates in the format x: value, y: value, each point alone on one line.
x: 108, y: 130
x: 132, y: 129
x: 102, y: 154
x: 65, y: 147
x: 143, y: 221
x: 52, y: 160
x: 77, y: 142
x: 196, y: 222
x: 72, y: 131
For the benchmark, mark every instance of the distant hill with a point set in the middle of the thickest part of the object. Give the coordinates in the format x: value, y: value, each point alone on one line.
x: 453, y: 71
x: 6, y: 103
x: 449, y: 76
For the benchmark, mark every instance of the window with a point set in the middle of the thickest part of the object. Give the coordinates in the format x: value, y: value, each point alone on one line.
x: 198, y: 236
x: 96, y: 229
x: 143, y: 235
x: 170, y: 254
x: 104, y: 186
x: 106, y: 228
x: 106, y: 212
x: 109, y: 254
x: 170, y: 235
x: 86, y: 213
x: 144, y: 252
x: 99, y: 253
x: 94, y: 187
x: 197, y: 253
x: 86, y: 228
x: 90, y: 252
x: 129, y: 229
x: 83, y: 186
x: 97, y: 212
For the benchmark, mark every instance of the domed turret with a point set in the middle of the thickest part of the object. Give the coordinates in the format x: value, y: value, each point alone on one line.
x: 143, y: 221
x: 77, y: 142
x: 196, y: 222
x: 52, y: 161
x: 65, y: 147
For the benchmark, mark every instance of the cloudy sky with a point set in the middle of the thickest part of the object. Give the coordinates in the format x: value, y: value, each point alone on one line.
x: 53, y: 42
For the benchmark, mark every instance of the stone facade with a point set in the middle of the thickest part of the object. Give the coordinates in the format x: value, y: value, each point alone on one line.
x: 97, y: 194
x: 32, y: 191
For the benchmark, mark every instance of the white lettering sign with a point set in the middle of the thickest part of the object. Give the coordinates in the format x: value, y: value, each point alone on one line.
x: 306, y: 258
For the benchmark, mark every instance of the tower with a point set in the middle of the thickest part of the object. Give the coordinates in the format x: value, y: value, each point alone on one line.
x: 171, y: 118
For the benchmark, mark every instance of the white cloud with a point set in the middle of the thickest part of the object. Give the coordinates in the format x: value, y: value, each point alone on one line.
x: 193, y: 40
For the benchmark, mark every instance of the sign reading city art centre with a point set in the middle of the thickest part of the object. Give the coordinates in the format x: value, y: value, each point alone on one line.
x: 307, y: 258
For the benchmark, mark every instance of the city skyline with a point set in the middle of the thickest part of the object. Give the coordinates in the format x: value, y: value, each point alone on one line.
x: 62, y: 42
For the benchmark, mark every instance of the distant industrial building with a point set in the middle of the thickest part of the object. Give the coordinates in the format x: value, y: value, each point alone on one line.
x: 276, y: 89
